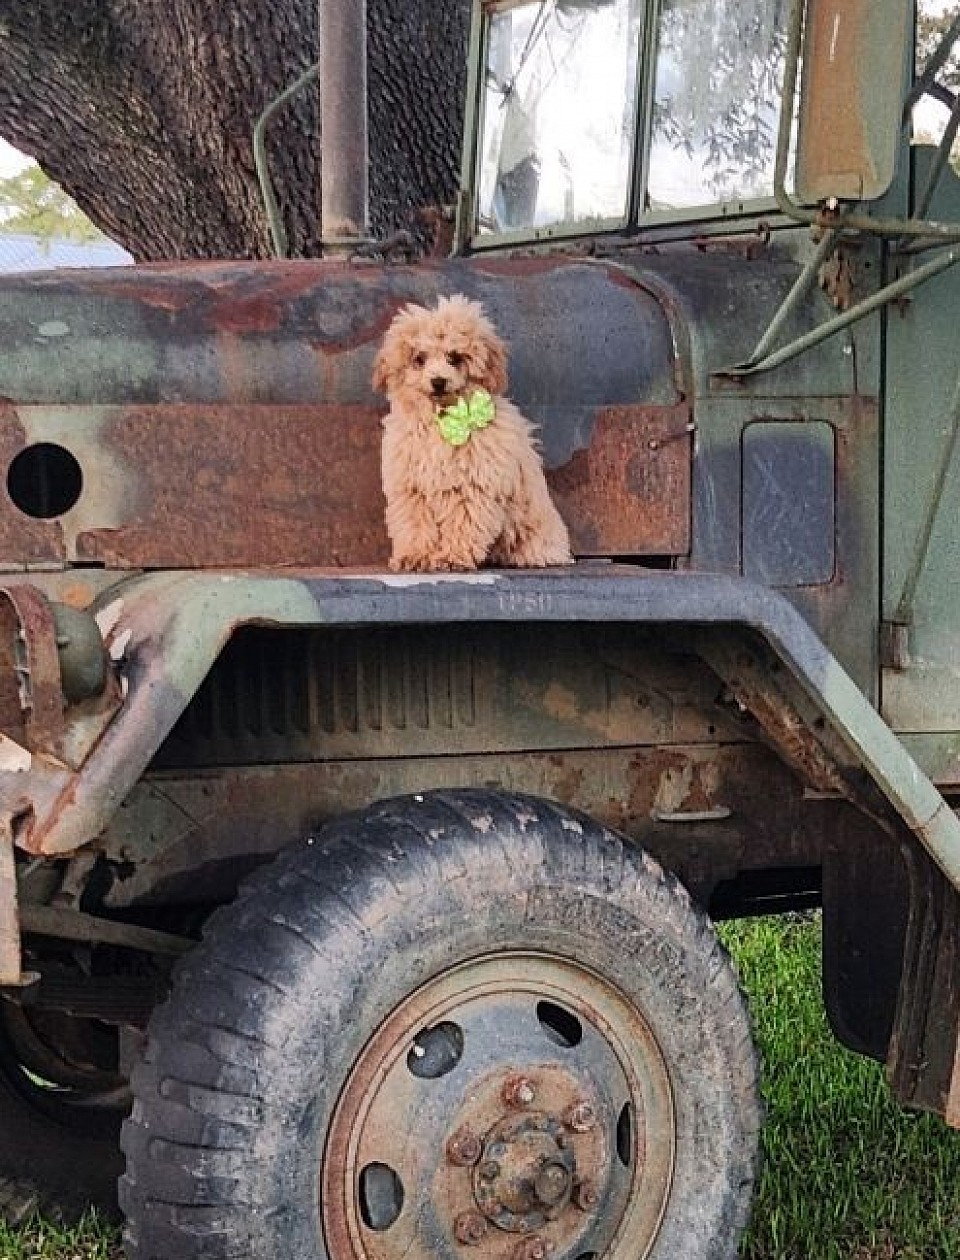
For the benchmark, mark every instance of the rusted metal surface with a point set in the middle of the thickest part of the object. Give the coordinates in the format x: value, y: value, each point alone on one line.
x: 628, y: 491
x: 307, y: 332
x: 795, y: 735
x: 849, y: 117
x: 177, y: 485
x: 12, y: 718
x: 372, y: 692
x: 463, y: 1148
x: 36, y: 668
x: 188, y: 486
x: 176, y: 836
x: 528, y: 1167
x: 448, y: 1062
x: 173, y: 627
x: 74, y: 925
x: 194, y: 397
x: 24, y: 539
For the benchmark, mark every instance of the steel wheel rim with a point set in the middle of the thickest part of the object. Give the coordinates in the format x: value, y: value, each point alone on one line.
x: 517, y: 1104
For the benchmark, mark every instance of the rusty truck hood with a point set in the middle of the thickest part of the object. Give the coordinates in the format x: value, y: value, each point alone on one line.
x: 221, y: 414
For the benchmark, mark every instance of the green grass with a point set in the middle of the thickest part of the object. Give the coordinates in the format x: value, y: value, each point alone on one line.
x: 847, y: 1174
x: 43, y: 1240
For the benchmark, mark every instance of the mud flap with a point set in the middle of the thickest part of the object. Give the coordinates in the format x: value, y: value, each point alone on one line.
x: 923, y: 1061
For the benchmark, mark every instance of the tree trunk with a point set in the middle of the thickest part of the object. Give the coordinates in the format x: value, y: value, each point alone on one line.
x: 143, y: 110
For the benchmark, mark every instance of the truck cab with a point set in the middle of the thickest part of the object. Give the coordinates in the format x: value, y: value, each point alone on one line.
x: 377, y: 908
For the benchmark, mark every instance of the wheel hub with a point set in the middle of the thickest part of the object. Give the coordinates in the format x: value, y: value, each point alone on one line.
x: 525, y: 1177
x: 515, y: 1105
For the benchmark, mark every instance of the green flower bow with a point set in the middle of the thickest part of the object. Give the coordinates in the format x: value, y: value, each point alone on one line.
x: 456, y: 423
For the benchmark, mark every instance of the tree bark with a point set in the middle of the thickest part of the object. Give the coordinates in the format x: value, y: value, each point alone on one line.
x: 143, y: 110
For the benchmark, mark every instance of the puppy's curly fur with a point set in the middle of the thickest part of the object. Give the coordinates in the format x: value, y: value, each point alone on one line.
x: 458, y: 507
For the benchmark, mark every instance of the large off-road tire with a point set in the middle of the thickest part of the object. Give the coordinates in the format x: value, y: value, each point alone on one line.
x: 59, y: 1129
x: 456, y: 1018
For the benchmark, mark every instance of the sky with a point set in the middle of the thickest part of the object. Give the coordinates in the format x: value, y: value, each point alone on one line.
x: 10, y: 160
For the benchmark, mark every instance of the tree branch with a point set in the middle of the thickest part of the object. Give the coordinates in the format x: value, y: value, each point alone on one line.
x: 144, y: 110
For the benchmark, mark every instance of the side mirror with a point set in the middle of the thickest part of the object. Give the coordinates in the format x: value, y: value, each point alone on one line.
x: 854, y: 55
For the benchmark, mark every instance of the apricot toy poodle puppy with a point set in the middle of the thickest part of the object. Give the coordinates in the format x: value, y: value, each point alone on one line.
x: 462, y: 475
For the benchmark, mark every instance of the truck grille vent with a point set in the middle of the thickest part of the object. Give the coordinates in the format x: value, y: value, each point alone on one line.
x: 276, y: 695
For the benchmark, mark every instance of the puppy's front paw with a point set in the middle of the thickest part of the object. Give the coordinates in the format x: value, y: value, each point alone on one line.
x: 448, y: 565
x: 409, y: 564
x: 431, y: 563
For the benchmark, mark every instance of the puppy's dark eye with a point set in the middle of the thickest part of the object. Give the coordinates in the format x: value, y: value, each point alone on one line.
x: 455, y: 358
x: 420, y: 359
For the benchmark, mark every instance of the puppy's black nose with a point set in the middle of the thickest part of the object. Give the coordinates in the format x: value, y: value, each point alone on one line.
x: 438, y: 384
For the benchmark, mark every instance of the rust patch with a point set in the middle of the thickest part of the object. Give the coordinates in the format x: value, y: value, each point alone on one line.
x: 526, y: 265
x: 176, y: 287
x: 675, y: 780
x: 569, y: 784
x: 245, y: 485
x: 11, y: 711
x: 628, y: 492
x: 834, y: 147
x: 248, y: 484
x: 32, y: 710
x: 27, y: 538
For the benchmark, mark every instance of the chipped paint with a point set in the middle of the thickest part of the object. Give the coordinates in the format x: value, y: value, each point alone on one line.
x: 108, y: 617
x: 119, y: 644
x: 9, y: 922
x: 14, y: 759
x: 256, y: 383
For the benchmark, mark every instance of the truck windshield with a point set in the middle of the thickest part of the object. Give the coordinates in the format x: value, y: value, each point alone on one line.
x: 558, y: 113
x: 719, y: 75
x: 572, y: 133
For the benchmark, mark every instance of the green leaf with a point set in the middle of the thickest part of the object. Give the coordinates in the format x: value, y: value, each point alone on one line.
x: 30, y: 202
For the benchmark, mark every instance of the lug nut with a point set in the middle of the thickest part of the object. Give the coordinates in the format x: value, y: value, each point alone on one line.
x: 581, y: 1117
x: 535, y: 1248
x: 518, y: 1091
x: 470, y: 1228
x: 551, y: 1183
x: 463, y: 1148
x: 585, y: 1195
x: 489, y: 1170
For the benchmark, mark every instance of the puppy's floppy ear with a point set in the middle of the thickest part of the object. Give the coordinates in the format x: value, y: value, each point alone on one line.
x: 382, y: 370
x: 392, y: 356
x: 492, y: 361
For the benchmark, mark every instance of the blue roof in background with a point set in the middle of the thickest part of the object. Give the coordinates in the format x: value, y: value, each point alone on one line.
x: 20, y: 252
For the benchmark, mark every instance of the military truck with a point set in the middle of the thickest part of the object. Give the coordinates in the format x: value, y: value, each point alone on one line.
x: 377, y: 908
